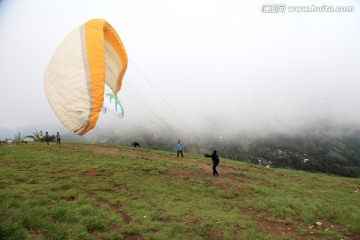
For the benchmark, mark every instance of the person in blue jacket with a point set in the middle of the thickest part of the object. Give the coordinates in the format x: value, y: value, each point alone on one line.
x: 179, y: 149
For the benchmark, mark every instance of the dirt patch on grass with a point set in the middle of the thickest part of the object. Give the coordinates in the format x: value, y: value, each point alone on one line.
x: 264, y: 172
x: 34, y: 232
x: 224, y: 172
x: 68, y: 198
x: 353, y: 236
x: 126, y: 236
x: 227, y: 179
x: 117, y: 185
x: 278, y: 228
x: 329, y: 225
x: 124, y: 152
x: 132, y: 236
x: 118, y: 209
x: 3, y: 161
x: 271, y: 227
x: 106, y: 150
x: 214, y: 234
x: 188, y: 173
x: 93, y: 172
x: 227, y: 186
x: 165, y: 220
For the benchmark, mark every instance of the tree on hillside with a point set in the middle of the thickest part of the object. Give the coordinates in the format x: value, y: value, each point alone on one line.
x: 35, y: 136
x: 18, y: 138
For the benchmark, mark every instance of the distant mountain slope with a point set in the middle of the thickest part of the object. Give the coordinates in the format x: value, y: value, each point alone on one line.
x: 335, y: 155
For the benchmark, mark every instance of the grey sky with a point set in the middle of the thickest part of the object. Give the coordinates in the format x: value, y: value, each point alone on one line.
x: 218, y: 64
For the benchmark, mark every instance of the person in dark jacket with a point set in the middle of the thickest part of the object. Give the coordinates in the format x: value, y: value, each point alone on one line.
x: 47, y: 137
x: 58, y: 138
x: 215, y: 159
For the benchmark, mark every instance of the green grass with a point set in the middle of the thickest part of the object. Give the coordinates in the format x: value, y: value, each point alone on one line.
x: 84, y: 191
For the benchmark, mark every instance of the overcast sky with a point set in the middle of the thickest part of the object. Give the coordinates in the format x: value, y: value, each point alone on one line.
x: 213, y: 65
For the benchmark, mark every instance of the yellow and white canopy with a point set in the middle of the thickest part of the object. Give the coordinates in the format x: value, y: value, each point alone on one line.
x: 91, y: 56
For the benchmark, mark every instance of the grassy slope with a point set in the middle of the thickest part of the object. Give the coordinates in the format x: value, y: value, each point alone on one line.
x: 84, y: 191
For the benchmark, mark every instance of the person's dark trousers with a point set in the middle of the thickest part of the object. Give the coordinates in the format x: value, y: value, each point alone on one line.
x: 214, y: 168
x: 179, y: 151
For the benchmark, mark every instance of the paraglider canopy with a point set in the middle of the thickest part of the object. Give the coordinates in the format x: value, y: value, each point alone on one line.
x: 91, y: 56
x: 113, y: 104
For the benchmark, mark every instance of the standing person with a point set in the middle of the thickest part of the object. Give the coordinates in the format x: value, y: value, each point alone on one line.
x: 215, y: 159
x: 58, y: 138
x: 47, y: 137
x: 41, y: 135
x: 179, y: 149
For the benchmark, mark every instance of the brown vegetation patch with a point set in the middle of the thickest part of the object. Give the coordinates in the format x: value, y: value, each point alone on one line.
x: 153, y: 156
x: 113, y: 227
x: 224, y: 172
x: 221, y: 185
x: 226, y: 186
x: 93, y: 172
x: 68, y: 198
x: 98, y: 149
x: 20, y: 181
x: 35, y: 232
x: 272, y: 227
x: 195, y: 223
x: 147, y: 156
x: 225, y: 181
x: 117, y: 185
x: 160, y: 217
x: 270, y: 173
x: 277, y: 228
x: 125, y: 235
x: 353, y: 236
x: 214, y: 234
x: 285, y: 177
x: 3, y: 161
x: 117, y: 208
x: 329, y: 225
x: 96, y: 234
x: 130, y: 155
x: 186, y: 173
x: 165, y: 220
x: 132, y: 236
x: 64, y: 171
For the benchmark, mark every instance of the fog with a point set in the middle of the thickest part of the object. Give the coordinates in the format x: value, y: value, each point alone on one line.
x: 196, y: 68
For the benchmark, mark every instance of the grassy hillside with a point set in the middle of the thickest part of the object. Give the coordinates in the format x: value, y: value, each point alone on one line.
x: 84, y: 191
